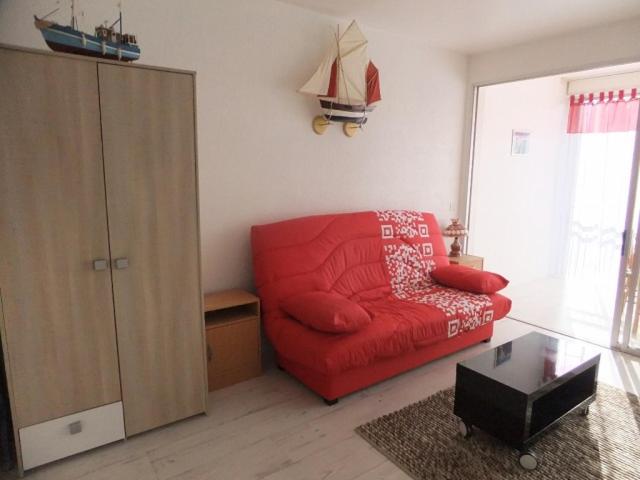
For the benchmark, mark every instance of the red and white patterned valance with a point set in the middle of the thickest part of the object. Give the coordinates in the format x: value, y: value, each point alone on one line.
x: 603, y: 112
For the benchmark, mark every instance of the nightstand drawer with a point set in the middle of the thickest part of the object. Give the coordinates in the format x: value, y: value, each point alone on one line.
x: 48, y: 441
x: 468, y: 261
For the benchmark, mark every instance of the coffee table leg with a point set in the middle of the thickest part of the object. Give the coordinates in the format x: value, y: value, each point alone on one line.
x: 528, y: 460
x: 465, y: 429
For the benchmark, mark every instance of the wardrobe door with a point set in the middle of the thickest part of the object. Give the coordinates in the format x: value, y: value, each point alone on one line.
x: 148, y: 131
x: 59, y: 329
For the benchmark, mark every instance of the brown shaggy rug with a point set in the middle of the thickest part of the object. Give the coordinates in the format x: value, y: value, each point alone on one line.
x: 423, y: 440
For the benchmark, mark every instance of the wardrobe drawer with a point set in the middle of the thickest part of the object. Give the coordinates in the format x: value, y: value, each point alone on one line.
x: 64, y: 436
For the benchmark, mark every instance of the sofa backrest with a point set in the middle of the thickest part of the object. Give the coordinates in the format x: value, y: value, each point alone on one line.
x: 345, y: 253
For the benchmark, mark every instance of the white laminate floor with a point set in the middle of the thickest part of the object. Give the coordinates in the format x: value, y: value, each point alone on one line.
x: 273, y: 428
x: 580, y: 308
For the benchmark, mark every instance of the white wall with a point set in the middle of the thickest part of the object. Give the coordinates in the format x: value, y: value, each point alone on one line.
x: 259, y: 159
x: 515, y: 199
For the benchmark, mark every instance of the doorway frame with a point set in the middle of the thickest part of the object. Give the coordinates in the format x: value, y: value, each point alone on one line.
x: 466, y: 194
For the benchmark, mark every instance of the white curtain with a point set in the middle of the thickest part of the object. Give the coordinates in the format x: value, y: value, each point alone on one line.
x: 598, y: 169
x: 601, y: 164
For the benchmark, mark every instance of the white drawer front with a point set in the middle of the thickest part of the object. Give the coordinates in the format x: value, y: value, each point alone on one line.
x: 61, y: 437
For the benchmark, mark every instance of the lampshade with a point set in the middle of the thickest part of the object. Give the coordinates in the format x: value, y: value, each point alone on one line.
x: 455, y: 229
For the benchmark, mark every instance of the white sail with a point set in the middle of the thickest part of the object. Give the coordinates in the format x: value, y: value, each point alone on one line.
x: 318, y: 84
x: 352, y: 60
x: 352, y: 66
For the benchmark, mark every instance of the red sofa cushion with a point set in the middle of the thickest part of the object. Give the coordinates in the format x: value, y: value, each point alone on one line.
x: 396, y: 327
x: 342, y: 253
x: 469, y: 279
x: 327, y: 312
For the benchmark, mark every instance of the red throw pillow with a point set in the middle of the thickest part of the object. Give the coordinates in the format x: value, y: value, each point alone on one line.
x: 327, y: 312
x: 469, y: 279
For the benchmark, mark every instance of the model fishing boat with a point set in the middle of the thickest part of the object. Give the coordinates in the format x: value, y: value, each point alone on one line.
x: 346, y: 82
x: 106, y: 43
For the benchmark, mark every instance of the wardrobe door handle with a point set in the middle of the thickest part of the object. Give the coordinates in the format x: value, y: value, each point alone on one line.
x: 100, y: 264
x: 209, y: 353
x: 75, y: 427
x: 122, y: 263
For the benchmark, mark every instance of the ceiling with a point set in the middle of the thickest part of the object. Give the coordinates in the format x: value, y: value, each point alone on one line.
x: 472, y: 26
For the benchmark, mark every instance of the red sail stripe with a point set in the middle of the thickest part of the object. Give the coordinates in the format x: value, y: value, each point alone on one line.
x: 373, y: 84
x: 332, y: 92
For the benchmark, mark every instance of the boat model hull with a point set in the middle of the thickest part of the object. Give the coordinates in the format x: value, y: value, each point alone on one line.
x: 62, y: 38
x: 340, y: 112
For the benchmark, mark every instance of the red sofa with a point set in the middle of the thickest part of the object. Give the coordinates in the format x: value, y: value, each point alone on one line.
x: 380, y: 260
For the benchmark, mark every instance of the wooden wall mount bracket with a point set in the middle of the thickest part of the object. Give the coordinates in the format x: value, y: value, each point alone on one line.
x: 320, y: 124
x: 350, y: 129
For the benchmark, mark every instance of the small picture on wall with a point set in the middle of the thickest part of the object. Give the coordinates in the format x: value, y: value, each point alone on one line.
x: 520, y: 142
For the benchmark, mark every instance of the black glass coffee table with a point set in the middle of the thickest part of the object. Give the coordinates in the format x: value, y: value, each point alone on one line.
x: 518, y: 390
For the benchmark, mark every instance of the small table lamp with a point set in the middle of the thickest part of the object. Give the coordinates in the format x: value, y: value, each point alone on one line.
x: 456, y: 230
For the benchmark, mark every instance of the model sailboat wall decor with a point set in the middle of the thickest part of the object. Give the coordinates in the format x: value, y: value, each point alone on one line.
x: 346, y: 82
x: 105, y: 43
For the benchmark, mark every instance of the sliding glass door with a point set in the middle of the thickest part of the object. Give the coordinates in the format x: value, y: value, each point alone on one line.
x: 626, y: 327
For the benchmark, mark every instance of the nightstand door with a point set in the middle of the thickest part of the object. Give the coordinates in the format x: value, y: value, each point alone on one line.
x: 233, y: 352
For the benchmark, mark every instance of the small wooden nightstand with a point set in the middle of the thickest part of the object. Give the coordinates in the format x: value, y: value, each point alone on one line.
x: 468, y: 261
x: 232, y: 323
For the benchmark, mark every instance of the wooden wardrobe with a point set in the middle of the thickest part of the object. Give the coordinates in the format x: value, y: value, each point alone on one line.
x: 101, y: 306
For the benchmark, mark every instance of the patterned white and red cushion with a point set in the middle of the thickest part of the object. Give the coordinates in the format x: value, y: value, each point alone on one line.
x: 381, y: 260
